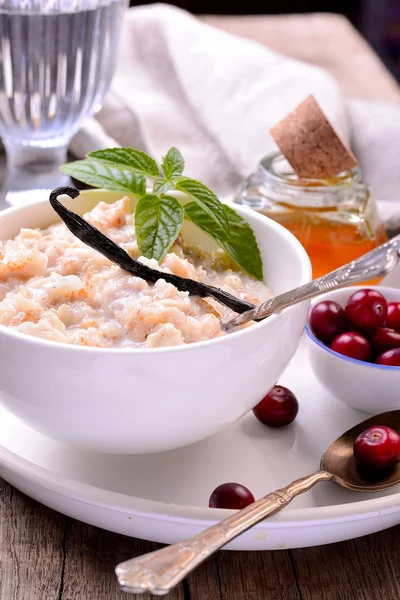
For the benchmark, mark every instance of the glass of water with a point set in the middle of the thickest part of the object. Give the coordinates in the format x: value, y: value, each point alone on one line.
x: 57, y: 58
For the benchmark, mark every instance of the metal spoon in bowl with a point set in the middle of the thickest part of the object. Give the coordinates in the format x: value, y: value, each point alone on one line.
x: 376, y: 263
x: 158, y: 572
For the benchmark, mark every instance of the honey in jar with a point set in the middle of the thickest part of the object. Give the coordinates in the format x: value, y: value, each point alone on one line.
x: 335, y: 220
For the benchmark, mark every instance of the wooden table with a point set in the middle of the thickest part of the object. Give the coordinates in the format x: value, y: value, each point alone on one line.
x: 46, y: 556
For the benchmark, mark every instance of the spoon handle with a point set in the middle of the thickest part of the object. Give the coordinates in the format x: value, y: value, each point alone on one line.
x: 376, y: 263
x: 158, y: 572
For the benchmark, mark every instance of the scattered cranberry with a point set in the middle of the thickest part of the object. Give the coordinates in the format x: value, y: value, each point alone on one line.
x: 366, y: 309
x: 231, y: 495
x: 278, y: 408
x: 390, y: 358
x: 377, y: 448
x: 352, y: 344
x: 327, y: 320
x: 384, y: 339
x: 393, y: 315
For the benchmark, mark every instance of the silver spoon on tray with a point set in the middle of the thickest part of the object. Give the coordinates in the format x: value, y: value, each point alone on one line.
x: 158, y: 572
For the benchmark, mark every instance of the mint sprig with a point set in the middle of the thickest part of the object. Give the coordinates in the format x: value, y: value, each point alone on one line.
x: 158, y: 220
x: 161, y: 185
x: 207, y: 201
x: 105, y: 176
x: 127, y: 159
x: 239, y: 245
x: 172, y: 164
x: 159, y: 215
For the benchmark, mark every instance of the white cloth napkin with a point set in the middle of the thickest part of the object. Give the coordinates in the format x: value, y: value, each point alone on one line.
x: 215, y: 96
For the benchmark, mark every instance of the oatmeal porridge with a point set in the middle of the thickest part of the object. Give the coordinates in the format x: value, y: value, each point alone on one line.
x: 55, y: 287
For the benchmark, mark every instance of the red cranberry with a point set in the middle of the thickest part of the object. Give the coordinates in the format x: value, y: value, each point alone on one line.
x: 278, y: 408
x: 231, y: 495
x: 393, y: 315
x: 366, y: 309
x: 378, y: 447
x: 390, y: 358
x: 384, y: 339
x: 327, y: 320
x: 352, y: 344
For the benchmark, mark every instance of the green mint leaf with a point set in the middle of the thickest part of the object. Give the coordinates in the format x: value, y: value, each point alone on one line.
x: 172, y: 163
x: 161, y: 186
x: 100, y: 175
x: 240, y: 245
x: 128, y: 158
x: 207, y: 200
x: 158, y: 222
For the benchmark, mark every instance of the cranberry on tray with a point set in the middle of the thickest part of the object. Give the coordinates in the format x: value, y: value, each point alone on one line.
x: 377, y: 448
x: 231, y: 495
x: 278, y: 408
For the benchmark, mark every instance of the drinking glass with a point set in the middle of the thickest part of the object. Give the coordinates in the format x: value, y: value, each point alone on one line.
x: 57, y: 58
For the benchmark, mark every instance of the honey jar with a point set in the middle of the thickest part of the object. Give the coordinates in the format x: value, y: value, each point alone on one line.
x: 335, y: 219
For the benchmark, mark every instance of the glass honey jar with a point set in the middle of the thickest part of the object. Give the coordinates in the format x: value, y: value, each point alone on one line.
x: 335, y: 219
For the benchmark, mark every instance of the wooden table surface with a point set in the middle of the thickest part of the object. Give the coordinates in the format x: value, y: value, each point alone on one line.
x: 46, y: 556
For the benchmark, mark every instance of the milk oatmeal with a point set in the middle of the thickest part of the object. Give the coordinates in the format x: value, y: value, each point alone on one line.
x: 55, y: 287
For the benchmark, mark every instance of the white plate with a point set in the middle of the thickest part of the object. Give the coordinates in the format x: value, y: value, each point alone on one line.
x: 164, y: 497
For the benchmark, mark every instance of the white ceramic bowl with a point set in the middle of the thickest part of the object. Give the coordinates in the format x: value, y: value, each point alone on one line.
x: 364, y: 386
x: 148, y: 400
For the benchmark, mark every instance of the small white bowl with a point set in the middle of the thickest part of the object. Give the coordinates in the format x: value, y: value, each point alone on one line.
x: 139, y: 401
x: 364, y: 386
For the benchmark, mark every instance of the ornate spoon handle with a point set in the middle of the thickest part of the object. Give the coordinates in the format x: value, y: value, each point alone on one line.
x: 160, y: 571
x: 376, y: 263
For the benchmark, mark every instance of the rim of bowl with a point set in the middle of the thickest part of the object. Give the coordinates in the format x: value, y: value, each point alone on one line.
x: 314, y: 338
x: 306, y: 276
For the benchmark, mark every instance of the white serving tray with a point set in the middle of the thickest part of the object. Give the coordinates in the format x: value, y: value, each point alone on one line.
x: 164, y: 497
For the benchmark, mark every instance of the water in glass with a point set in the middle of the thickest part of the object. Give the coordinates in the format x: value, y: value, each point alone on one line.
x: 57, y: 59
